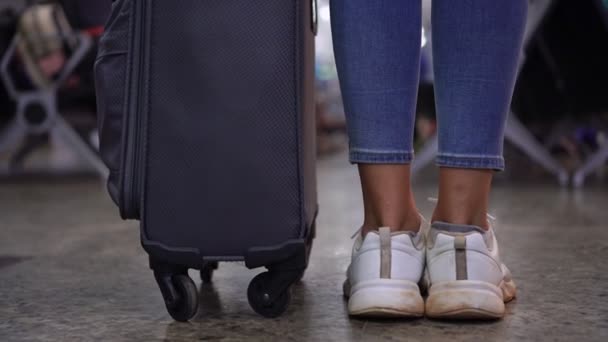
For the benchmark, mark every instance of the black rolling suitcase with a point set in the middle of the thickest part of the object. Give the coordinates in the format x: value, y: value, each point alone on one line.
x: 206, y: 121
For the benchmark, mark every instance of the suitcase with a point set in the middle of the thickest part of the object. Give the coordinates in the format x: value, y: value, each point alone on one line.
x: 206, y: 122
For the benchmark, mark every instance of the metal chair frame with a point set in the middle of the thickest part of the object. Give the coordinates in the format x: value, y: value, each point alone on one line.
x: 21, y: 126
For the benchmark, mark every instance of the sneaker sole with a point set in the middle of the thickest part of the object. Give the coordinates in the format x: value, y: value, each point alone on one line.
x: 468, y: 299
x: 385, y: 298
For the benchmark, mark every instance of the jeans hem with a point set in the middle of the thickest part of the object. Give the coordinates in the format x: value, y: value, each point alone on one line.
x: 496, y: 163
x: 380, y: 157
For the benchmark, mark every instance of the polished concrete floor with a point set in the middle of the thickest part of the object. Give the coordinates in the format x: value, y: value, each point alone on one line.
x: 71, y: 270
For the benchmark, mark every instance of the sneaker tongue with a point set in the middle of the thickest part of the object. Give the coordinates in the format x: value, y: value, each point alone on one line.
x: 456, y: 228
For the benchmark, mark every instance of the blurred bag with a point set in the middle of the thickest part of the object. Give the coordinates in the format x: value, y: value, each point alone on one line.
x: 84, y: 14
x: 44, y: 37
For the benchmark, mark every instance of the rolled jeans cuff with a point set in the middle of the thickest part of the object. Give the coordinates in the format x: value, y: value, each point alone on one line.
x: 370, y: 156
x: 466, y: 161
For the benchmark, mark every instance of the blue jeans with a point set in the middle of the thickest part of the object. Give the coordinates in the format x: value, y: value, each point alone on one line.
x: 476, y: 47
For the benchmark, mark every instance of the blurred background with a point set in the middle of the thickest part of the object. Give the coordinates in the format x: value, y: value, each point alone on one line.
x: 59, y: 230
x: 557, y: 129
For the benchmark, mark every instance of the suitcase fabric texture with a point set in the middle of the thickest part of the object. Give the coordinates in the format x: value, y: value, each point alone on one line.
x: 206, y: 122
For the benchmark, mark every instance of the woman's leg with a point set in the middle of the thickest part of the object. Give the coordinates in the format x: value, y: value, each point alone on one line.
x: 377, y: 48
x: 476, y: 48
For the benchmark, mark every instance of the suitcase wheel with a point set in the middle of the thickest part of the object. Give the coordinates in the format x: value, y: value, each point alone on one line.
x: 268, y: 294
x: 180, y: 295
x: 207, y: 271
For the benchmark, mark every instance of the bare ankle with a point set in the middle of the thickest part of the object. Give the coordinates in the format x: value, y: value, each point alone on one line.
x: 463, y: 196
x: 410, y: 222
x: 387, y: 197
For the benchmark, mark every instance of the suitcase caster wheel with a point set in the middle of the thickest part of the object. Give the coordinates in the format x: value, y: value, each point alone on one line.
x: 259, y: 297
x: 185, y: 304
x: 207, y: 271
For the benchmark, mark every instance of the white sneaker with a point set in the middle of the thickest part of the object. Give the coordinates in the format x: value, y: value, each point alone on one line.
x: 466, y: 277
x: 382, y: 279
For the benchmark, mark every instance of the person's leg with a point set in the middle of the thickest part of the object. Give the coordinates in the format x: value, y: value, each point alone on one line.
x: 463, y: 196
x: 388, y: 200
x: 476, y: 48
x: 377, y: 48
